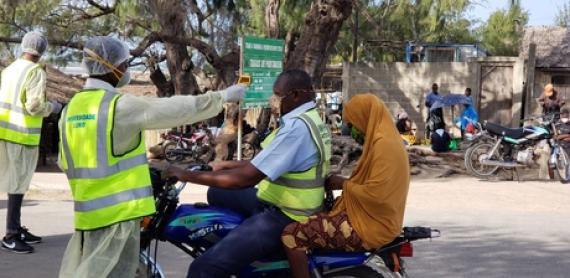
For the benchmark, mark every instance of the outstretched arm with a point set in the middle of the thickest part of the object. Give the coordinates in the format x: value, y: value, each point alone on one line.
x: 235, y: 178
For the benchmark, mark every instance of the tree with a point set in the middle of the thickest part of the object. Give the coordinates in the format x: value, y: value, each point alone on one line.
x: 176, y: 39
x: 385, y: 26
x: 171, y: 34
x: 318, y: 36
x: 562, y: 17
x: 502, y: 33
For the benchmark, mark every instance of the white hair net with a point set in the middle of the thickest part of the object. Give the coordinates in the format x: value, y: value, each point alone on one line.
x: 101, y: 55
x: 34, y: 43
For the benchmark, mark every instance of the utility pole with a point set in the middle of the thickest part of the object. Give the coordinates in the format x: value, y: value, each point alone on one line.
x: 355, y: 34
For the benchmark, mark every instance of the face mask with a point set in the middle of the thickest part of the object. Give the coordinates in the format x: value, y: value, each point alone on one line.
x: 357, y: 135
x: 125, y: 80
x: 275, y: 104
x: 564, y: 120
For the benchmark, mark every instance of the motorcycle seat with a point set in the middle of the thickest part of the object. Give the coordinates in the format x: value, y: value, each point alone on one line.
x: 515, y: 133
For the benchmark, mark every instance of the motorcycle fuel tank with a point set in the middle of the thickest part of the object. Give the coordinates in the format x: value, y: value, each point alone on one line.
x: 200, y: 224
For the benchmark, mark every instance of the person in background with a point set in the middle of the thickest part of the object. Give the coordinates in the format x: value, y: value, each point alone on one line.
x: 440, y: 140
x: 23, y: 105
x: 550, y: 100
x: 403, y: 124
x: 434, y: 116
x: 102, y: 152
x: 406, y: 128
x: 468, y: 94
x: 469, y: 119
x: 370, y: 211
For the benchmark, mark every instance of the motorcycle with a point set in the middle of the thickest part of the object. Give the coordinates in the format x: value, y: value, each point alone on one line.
x: 199, y: 146
x: 511, y: 148
x: 194, y: 228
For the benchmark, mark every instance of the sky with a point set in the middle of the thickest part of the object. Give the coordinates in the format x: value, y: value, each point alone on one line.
x: 541, y: 12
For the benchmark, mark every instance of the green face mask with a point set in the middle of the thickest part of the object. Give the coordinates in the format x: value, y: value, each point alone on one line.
x: 357, y: 135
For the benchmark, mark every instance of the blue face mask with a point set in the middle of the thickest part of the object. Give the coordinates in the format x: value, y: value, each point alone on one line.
x: 357, y: 135
x: 125, y: 79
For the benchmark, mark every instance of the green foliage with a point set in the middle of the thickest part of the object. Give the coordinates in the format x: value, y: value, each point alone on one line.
x: 502, y: 33
x: 562, y: 17
x: 395, y: 22
x: 291, y: 16
x: 392, y: 22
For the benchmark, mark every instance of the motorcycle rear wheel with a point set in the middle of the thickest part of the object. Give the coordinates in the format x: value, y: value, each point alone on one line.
x: 169, y: 153
x: 248, y: 151
x: 356, y: 272
x: 474, y: 166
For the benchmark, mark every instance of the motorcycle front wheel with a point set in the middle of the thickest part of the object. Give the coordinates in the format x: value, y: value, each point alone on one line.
x: 148, y: 268
x: 473, y: 158
x: 562, y: 166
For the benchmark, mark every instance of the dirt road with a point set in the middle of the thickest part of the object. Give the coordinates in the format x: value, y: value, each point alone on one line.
x: 489, y: 229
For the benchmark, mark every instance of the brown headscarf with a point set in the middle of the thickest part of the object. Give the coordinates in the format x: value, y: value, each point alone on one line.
x: 374, y: 197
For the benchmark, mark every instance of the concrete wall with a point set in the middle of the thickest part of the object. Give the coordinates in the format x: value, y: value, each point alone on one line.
x: 404, y: 86
x: 501, y: 89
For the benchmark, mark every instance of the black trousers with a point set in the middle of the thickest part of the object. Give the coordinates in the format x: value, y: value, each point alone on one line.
x: 14, y: 213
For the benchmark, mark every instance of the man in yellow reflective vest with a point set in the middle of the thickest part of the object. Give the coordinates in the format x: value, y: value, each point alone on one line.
x: 23, y: 105
x: 289, y: 173
x: 102, y: 152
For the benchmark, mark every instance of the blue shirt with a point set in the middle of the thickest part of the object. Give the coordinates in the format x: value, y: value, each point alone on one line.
x: 469, y: 115
x: 432, y: 98
x: 292, y: 149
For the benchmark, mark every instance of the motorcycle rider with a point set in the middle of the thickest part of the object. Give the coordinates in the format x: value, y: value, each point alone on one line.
x: 290, y: 172
x: 370, y: 211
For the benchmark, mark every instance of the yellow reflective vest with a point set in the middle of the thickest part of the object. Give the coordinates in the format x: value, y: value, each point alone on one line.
x: 16, y: 124
x: 107, y: 188
x: 300, y: 194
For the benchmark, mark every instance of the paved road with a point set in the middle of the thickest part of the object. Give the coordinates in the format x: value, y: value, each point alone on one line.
x: 490, y: 229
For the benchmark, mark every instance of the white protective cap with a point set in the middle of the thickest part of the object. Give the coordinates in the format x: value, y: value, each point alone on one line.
x: 101, y: 55
x: 34, y: 43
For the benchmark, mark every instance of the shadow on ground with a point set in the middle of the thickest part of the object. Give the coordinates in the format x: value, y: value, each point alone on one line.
x: 478, y: 252
x: 44, y: 262
x: 27, y: 203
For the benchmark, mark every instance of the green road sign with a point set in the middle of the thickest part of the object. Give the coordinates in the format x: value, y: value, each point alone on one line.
x: 262, y: 59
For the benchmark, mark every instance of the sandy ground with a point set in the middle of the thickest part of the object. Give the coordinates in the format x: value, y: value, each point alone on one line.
x: 489, y: 229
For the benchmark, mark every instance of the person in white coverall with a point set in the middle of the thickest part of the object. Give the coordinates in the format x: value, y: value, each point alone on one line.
x: 23, y: 105
x: 102, y: 152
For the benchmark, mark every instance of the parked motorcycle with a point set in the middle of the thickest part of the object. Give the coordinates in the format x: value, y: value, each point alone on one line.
x: 199, y: 146
x: 194, y: 228
x: 501, y: 147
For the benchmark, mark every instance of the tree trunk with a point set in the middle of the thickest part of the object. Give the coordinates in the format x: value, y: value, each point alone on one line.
x: 171, y: 15
x: 164, y: 88
x: 226, y: 68
x: 272, y: 18
x: 319, y: 35
x: 290, y: 42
